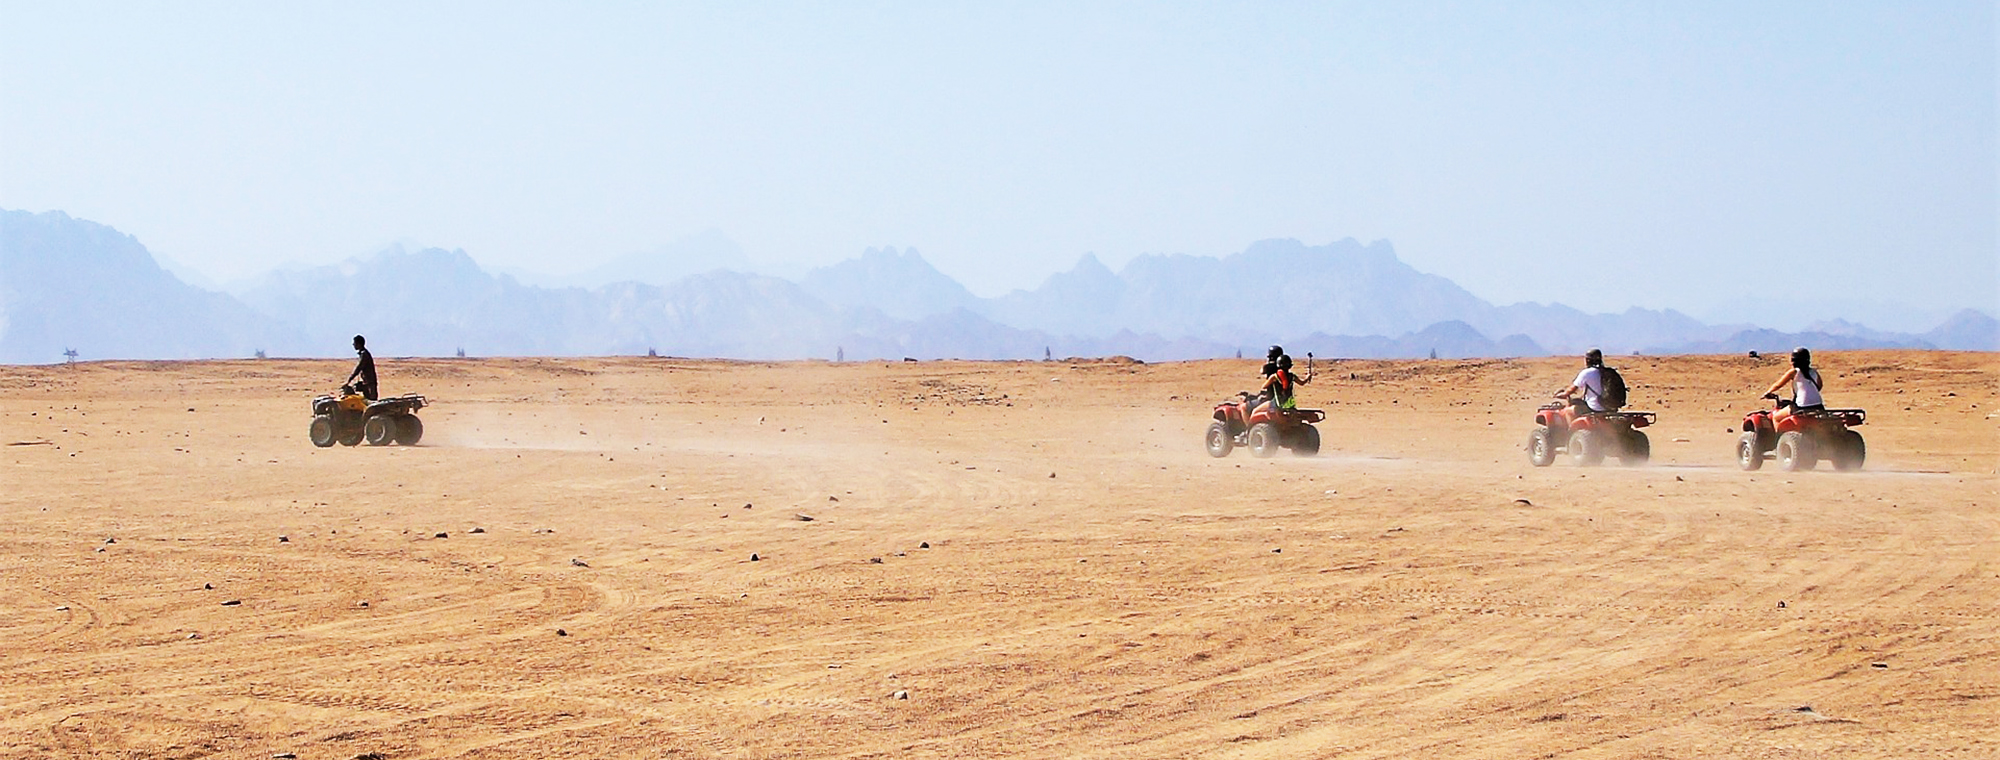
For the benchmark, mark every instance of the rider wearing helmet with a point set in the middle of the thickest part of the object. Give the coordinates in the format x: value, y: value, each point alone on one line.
x: 1591, y: 382
x: 1283, y: 386
x: 1806, y: 384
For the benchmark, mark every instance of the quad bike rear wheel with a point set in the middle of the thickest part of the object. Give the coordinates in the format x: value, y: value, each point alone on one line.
x: 380, y: 430
x: 1637, y: 449
x: 1305, y: 443
x: 321, y: 431
x: 1849, y: 451
x: 1586, y: 448
x: 1749, y: 451
x: 1219, y: 441
x: 1263, y: 440
x: 1541, y: 447
x: 409, y: 430
x: 1796, y: 452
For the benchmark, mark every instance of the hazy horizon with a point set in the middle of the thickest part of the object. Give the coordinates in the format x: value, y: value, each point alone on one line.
x: 1602, y: 156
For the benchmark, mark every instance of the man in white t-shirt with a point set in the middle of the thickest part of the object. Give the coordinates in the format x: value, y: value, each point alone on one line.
x: 1591, y: 382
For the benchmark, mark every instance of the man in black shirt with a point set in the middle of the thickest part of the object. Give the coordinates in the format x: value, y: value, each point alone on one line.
x: 365, y: 369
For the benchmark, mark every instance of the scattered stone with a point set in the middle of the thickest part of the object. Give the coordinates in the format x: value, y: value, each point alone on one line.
x: 874, y: 560
x: 110, y: 540
x: 833, y: 666
x: 193, y: 636
x: 477, y: 530
x: 371, y: 756
x: 1881, y: 665
x: 1781, y: 604
x: 755, y: 558
x: 362, y: 604
x: 578, y: 563
x: 442, y: 534
x: 1052, y: 476
x: 924, y: 545
x: 284, y: 539
x: 1679, y: 479
x: 1524, y: 502
x: 64, y: 608
x: 746, y: 506
x: 900, y: 694
x: 232, y: 603
x: 284, y: 756
x: 1681, y: 440
x: 1277, y: 551
x: 208, y: 587
x: 803, y: 518
x: 833, y: 498
x: 561, y: 632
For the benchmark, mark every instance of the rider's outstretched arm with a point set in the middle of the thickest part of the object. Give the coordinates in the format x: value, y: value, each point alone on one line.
x: 1790, y: 374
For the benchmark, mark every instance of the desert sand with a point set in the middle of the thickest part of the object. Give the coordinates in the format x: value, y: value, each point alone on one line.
x: 611, y: 558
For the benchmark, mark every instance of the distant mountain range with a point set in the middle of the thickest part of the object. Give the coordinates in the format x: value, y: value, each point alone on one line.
x: 73, y: 284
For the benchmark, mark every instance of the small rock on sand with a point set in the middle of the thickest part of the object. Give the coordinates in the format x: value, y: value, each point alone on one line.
x: 232, y: 603
x: 924, y: 545
x: 803, y: 518
x: 477, y: 530
x: 899, y: 694
x: 573, y: 561
x: 755, y: 558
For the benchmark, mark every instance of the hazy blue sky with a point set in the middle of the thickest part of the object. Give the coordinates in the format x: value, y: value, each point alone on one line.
x: 1603, y: 154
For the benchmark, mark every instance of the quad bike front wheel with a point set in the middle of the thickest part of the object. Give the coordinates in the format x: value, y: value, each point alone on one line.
x: 1586, y: 448
x: 1637, y: 449
x: 1305, y: 443
x: 1849, y: 451
x: 321, y: 431
x: 1263, y: 440
x: 380, y: 430
x: 1749, y: 451
x: 1796, y: 452
x: 1220, y: 443
x: 1541, y: 447
x: 409, y: 430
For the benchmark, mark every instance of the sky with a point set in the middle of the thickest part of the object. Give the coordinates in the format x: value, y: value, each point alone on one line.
x: 1716, y: 157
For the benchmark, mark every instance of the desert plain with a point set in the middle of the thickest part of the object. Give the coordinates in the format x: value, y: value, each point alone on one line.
x: 666, y: 558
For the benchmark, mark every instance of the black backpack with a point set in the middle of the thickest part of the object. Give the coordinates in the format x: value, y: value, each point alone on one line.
x: 1613, y: 396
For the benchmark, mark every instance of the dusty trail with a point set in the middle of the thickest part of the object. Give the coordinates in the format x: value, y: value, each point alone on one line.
x: 1062, y: 571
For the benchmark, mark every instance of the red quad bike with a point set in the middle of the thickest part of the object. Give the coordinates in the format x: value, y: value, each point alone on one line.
x: 1264, y: 431
x: 1589, y: 438
x: 1799, y: 441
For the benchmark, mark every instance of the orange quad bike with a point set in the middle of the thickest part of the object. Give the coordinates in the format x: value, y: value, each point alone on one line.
x: 1263, y: 430
x: 350, y: 418
x: 1800, y: 440
x: 1589, y: 437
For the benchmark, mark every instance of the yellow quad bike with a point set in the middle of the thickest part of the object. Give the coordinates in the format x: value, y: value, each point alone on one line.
x: 350, y: 418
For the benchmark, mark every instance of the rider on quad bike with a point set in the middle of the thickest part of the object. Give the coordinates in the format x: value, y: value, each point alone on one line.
x: 1593, y: 426
x: 1800, y: 431
x: 1281, y: 386
x: 1268, y: 421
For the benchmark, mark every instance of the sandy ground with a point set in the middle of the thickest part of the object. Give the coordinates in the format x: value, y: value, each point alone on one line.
x: 1039, y: 556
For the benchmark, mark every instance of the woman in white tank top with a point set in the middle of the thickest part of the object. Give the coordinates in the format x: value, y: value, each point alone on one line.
x: 1805, y: 382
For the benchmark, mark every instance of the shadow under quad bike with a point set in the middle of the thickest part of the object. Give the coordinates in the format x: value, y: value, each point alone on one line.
x: 1589, y: 437
x: 350, y: 418
x: 1801, y: 439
